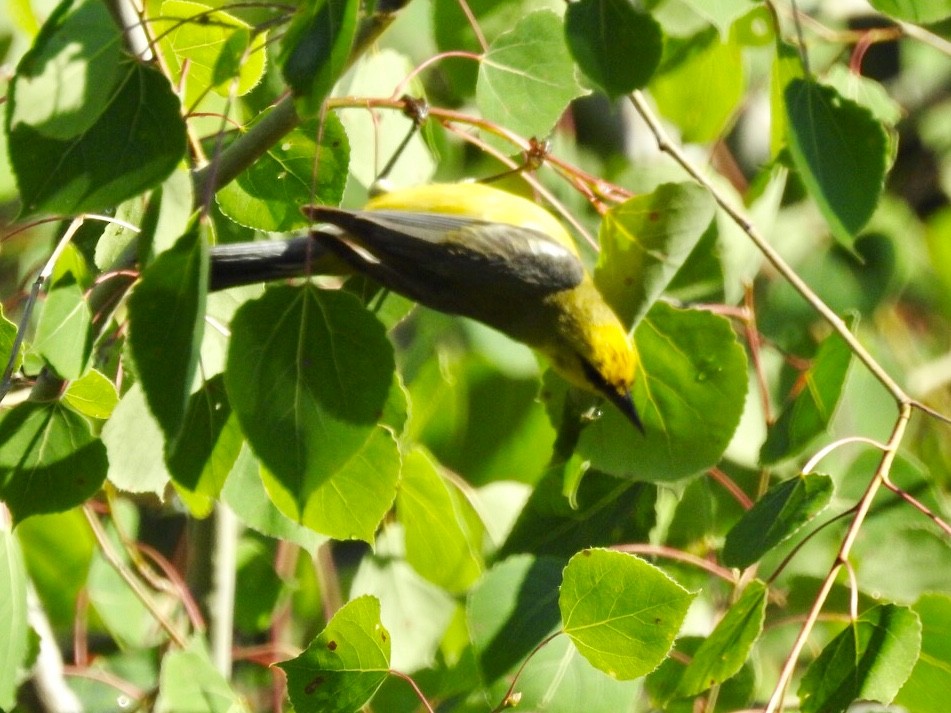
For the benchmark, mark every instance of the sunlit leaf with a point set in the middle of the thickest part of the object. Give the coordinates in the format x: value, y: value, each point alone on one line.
x: 621, y: 612
x: 343, y: 667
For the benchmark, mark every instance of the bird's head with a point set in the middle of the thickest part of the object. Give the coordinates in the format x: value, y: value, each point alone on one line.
x: 603, y: 361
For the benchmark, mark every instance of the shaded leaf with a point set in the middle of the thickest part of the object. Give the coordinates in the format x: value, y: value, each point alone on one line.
x: 511, y: 610
x: 840, y: 151
x: 140, y: 130
x: 13, y: 643
x: 49, y: 460
x: 190, y: 682
x: 69, y: 75
x: 310, y: 375
x: 64, y: 334
x: 293, y: 172
x: 616, y: 44
x: 701, y: 92
x: 870, y: 660
x: 811, y: 410
x: 316, y: 48
x: 204, y: 454
x: 723, y: 653
x: 932, y: 671
x: 776, y: 517
x: 135, y: 445
x: 166, y: 322
x: 922, y: 11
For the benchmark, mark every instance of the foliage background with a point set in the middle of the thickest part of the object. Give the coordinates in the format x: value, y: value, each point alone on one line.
x: 761, y: 190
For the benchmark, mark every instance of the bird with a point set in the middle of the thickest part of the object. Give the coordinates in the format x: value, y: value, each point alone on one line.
x: 481, y: 252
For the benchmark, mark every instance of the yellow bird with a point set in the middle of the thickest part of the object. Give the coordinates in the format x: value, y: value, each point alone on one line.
x: 495, y: 257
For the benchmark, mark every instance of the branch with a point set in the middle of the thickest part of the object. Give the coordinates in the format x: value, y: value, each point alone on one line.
x: 841, y: 328
x: 861, y: 510
x: 282, y: 119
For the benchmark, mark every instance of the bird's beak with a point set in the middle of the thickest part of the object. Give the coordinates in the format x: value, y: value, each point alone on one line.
x: 625, y: 404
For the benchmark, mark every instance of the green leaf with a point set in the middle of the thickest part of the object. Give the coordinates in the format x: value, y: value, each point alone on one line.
x: 734, y: 694
x: 166, y: 321
x: 293, y: 172
x: 870, y: 660
x: 443, y: 533
x: 721, y: 13
x: 645, y: 241
x: 606, y: 510
x: 49, y: 460
x: 776, y: 517
x: 61, y: 85
x: 190, y: 682
x: 920, y: 11
x: 135, y: 446
x: 478, y: 421
x: 64, y: 334
x: 932, y: 671
x: 351, y: 503
x: 13, y: 643
x: 453, y: 32
x: 58, y: 550
x: 811, y: 410
x: 93, y: 395
x: 526, y: 78
x: 316, y: 48
x: 840, y: 151
x: 621, y: 612
x: 8, y: 335
x: 208, y: 50
x: 701, y: 92
x: 343, y: 667
x: 403, y: 594
x: 140, y: 130
x: 692, y: 380
x: 511, y: 610
x: 205, y: 452
x: 557, y: 679
x: 617, y: 45
x: 723, y: 653
x: 309, y: 375
x: 787, y: 66
x: 244, y: 493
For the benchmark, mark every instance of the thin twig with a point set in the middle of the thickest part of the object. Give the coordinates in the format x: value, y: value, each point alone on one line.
x: 861, y: 510
x: 412, y: 683
x: 675, y: 554
x: 224, y: 584
x: 108, y: 551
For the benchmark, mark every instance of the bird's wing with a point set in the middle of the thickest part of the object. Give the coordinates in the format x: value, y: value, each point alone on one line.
x: 457, y: 250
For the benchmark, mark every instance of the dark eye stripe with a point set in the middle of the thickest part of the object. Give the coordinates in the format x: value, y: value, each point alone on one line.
x: 596, y: 378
